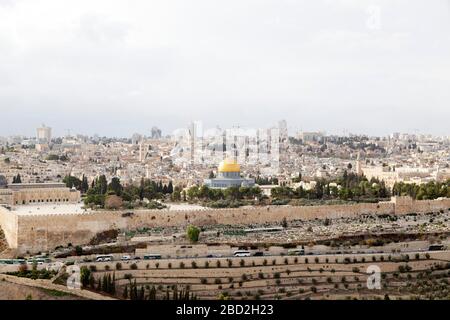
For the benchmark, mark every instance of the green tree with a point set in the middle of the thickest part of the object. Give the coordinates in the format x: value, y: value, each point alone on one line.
x: 115, y: 186
x: 85, y: 276
x: 193, y: 233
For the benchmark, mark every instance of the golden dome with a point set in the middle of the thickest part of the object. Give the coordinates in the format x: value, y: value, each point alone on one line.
x: 229, y: 166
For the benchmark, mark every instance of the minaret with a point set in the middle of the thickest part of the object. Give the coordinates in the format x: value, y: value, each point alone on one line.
x: 147, y: 172
x: 140, y: 152
x: 359, y: 171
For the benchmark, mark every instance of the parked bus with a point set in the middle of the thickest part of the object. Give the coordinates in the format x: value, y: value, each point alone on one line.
x: 12, y: 261
x: 242, y: 253
x: 38, y: 260
x: 436, y: 247
x: 296, y: 252
x: 104, y: 258
x: 152, y: 257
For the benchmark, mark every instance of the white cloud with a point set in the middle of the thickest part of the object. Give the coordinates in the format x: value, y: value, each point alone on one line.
x: 168, y: 62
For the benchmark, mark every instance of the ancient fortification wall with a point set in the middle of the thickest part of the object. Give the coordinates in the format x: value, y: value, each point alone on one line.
x: 8, y: 223
x: 45, y: 232
x: 405, y: 205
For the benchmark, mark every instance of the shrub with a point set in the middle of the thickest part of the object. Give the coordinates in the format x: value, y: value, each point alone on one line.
x: 128, y: 276
x: 193, y: 233
x: 133, y: 266
x: 118, y: 266
x: 182, y: 265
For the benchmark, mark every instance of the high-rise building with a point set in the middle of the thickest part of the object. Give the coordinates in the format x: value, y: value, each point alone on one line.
x: 284, y: 135
x: 156, y: 133
x: 44, y: 135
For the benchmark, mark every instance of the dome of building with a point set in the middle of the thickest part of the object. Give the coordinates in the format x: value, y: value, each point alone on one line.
x: 229, y: 166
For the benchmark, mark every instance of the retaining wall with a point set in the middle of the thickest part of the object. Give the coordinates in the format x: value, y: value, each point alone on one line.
x: 45, y: 232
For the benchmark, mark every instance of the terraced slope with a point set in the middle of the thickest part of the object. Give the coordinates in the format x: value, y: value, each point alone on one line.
x: 423, y: 276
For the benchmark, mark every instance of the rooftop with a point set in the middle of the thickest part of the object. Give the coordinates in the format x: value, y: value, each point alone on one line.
x: 17, y: 186
x: 49, y: 209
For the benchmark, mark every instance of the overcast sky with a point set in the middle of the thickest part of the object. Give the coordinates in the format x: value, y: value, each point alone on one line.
x: 119, y: 67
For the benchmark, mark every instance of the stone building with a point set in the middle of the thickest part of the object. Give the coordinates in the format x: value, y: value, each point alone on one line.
x: 36, y: 193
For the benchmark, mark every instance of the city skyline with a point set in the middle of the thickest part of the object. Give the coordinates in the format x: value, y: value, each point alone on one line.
x: 292, y: 131
x: 368, y: 67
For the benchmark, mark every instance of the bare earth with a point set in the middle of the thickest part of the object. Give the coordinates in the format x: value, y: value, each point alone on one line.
x: 14, y: 291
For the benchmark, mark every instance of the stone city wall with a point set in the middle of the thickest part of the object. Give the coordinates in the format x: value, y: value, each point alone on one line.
x: 8, y: 223
x: 405, y: 205
x: 45, y: 232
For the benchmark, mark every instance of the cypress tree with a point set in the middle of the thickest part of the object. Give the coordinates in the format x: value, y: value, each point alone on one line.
x: 99, y: 284
x: 135, y: 292
x: 105, y: 283
x: 113, y: 284
x: 142, y: 293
